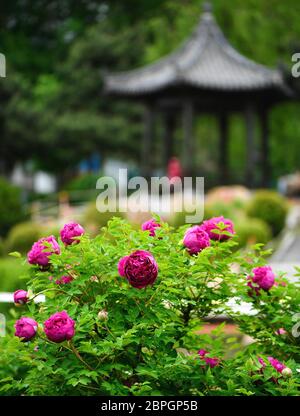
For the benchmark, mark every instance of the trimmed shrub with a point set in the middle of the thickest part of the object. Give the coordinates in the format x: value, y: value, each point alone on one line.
x: 10, y: 206
x: 178, y: 218
x: 270, y: 207
x: 2, y: 247
x: 83, y: 182
x: 252, y: 231
x: 94, y: 220
x: 22, y: 236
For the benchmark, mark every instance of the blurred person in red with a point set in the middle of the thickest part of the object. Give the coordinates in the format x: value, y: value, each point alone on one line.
x: 174, y: 171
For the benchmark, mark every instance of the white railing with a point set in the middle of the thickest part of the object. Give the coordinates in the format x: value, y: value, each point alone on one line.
x: 6, y: 297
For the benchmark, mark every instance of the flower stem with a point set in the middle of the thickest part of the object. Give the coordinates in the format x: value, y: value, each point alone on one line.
x: 76, y: 352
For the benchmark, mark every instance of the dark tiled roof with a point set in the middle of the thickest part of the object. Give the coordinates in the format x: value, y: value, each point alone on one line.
x: 205, y: 60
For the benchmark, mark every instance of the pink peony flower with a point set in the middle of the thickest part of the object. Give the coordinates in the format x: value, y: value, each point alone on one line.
x: 202, y: 353
x: 40, y: 252
x: 195, y: 240
x: 140, y: 269
x: 210, y: 226
x: 280, y: 331
x: 261, y: 361
x: 211, y: 362
x: 64, y: 280
x: 276, y: 364
x: 26, y: 328
x: 70, y: 231
x: 263, y: 278
x: 21, y: 297
x: 150, y: 226
x: 59, y: 327
x: 121, y: 266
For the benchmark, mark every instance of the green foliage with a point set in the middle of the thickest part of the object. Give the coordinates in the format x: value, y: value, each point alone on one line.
x: 10, y: 206
x: 270, y: 207
x: 149, y: 342
x: 252, y: 231
x: 12, y: 270
x: 22, y: 236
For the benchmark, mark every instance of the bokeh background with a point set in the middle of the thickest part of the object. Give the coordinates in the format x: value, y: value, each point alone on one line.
x: 59, y: 132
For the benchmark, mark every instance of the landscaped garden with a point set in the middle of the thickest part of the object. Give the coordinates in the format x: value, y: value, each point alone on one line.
x: 122, y: 122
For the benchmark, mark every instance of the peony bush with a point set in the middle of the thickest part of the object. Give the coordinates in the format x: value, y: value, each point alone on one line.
x: 124, y: 312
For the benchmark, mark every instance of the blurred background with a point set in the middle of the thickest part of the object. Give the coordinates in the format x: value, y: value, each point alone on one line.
x: 66, y: 119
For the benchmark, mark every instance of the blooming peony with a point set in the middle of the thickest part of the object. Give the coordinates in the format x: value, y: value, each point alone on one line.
x: 21, y: 297
x: 212, y: 362
x: 210, y: 226
x: 40, y: 252
x: 140, y: 269
x: 195, y: 239
x: 70, y: 231
x: 263, y: 278
x: 150, y: 226
x: 276, y: 364
x: 64, y: 280
x: 280, y: 331
x: 59, y: 327
x: 26, y: 328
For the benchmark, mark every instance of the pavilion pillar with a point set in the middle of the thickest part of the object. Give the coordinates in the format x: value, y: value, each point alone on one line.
x: 250, y: 146
x: 265, y: 164
x: 188, y: 148
x: 223, y: 149
x: 168, y: 150
x: 148, y: 137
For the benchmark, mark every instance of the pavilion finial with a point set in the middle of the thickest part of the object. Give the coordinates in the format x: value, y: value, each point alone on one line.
x: 207, y: 7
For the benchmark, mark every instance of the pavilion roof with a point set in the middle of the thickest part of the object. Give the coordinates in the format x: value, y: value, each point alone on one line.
x: 206, y: 60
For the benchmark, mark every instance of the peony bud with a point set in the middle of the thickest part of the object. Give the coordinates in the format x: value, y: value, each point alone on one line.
x: 21, y: 297
x: 103, y: 315
x: 287, y: 372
